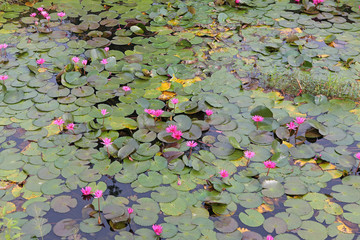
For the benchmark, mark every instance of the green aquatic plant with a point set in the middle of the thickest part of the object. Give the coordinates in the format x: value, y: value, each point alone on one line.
x: 9, y: 228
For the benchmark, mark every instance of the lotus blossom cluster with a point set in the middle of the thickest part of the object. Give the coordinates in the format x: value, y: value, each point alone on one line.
x: 175, y: 133
x: 152, y: 112
x: 298, y: 121
x: 88, y: 191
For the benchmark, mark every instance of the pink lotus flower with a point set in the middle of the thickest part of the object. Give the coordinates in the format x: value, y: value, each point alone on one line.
x: 106, y: 49
x: 40, y: 61
x: 70, y: 126
x: 291, y: 126
x: 358, y: 155
x: 177, y: 135
x: 104, y: 112
x: 174, y: 101
x: 209, y: 112
x: 126, y: 88
x: 269, y: 164
x: 249, y: 154
x: 237, y: 1
x: 104, y: 61
x: 130, y: 210
x: 84, y: 62
x: 98, y: 194
x: 269, y: 237
x: 75, y: 59
x: 257, y: 118
x: 191, y: 144
x: 59, y: 122
x: 40, y: 9
x: 61, y: 14
x: 224, y: 173
x: 106, y: 141
x: 157, y: 229
x: 300, y: 120
x: 157, y: 113
x: 33, y: 15
x: 297, y: 1
x: 86, y: 191
x: 171, y: 128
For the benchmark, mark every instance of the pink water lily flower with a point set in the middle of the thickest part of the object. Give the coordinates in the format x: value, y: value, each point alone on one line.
x: 106, y: 141
x: 40, y: 9
x: 40, y: 61
x: 177, y: 135
x: 126, y: 88
x: 98, y: 194
x: 316, y: 2
x: 237, y: 1
x: 358, y: 155
x: 300, y: 120
x: 224, y: 173
x: 149, y: 111
x: 209, y: 112
x: 171, y: 128
x: 104, y: 112
x: 4, y: 77
x: 33, y: 15
x: 48, y: 18
x: 269, y: 237
x: 44, y: 13
x: 59, y: 121
x: 257, y: 118
x: 61, y: 14
x: 191, y: 144
x: 84, y: 62
x: 106, y: 49
x: 291, y: 126
x: 157, y: 229
x: 269, y: 164
x: 104, y: 61
x: 174, y: 101
x: 75, y: 59
x: 157, y: 113
x: 86, y: 190
x: 249, y: 154
x: 70, y: 126
x: 130, y: 210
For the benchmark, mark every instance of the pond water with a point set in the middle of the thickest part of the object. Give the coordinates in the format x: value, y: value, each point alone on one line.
x: 191, y: 61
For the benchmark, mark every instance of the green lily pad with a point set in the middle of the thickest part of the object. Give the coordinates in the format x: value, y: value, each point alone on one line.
x: 164, y: 194
x: 251, y: 218
x: 312, y: 230
x: 174, y: 208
